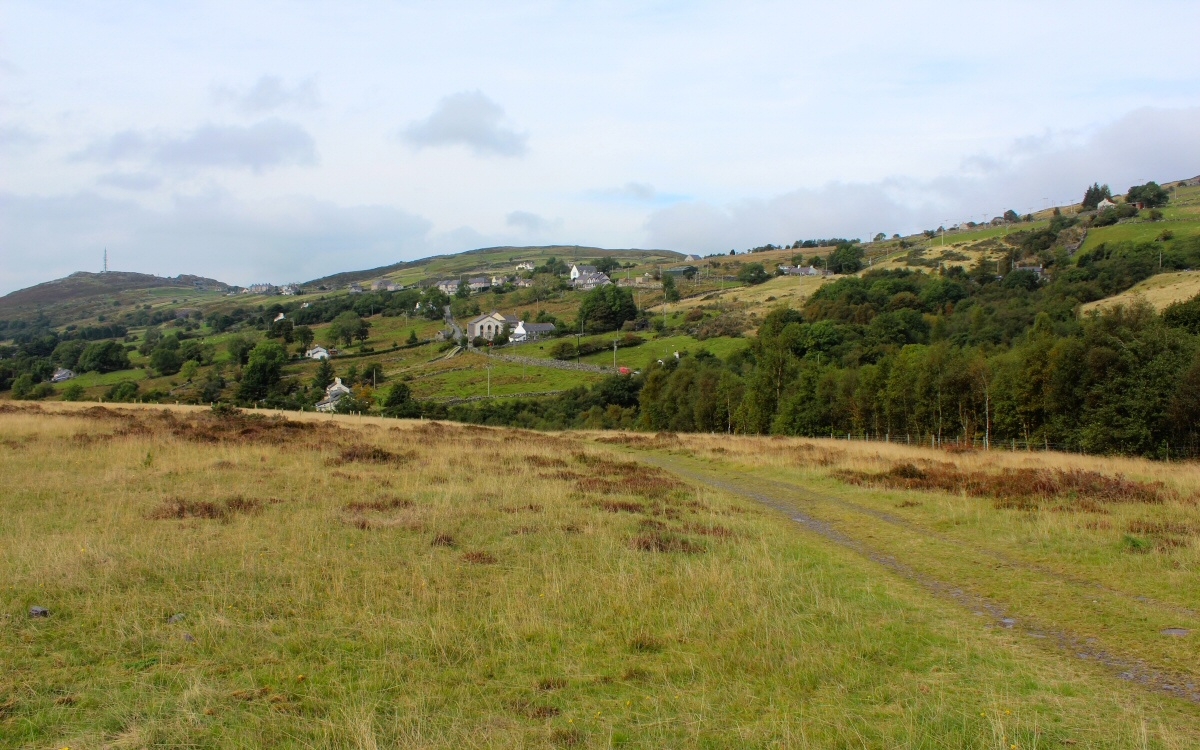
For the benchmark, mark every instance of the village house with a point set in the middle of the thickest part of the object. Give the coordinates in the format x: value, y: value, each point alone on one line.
x: 578, y: 270
x: 61, y: 374
x: 479, y: 283
x: 590, y: 281
x: 526, y: 266
x: 490, y: 325
x: 354, y: 289
x: 523, y: 283
x: 1039, y: 270
x: 260, y: 289
x: 803, y: 271
x: 498, y: 280
x: 530, y: 331
x: 333, y: 394
x: 1105, y: 205
x: 289, y: 290
x: 448, y: 286
x: 317, y: 352
x: 692, y: 258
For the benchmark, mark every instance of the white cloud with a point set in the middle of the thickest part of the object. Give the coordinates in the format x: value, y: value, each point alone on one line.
x: 468, y: 119
x: 212, y: 235
x: 267, y: 94
x: 129, y: 180
x: 269, y: 143
x: 531, y: 222
x: 1143, y: 145
x: 15, y: 136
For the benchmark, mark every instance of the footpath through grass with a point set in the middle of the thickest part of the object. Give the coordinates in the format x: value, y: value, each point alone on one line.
x: 368, y: 582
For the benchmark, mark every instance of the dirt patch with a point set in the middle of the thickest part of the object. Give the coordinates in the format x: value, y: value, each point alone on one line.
x: 545, y: 462
x: 658, y: 541
x: 442, y: 540
x: 715, y: 530
x: 478, y: 558
x: 1020, y: 489
x: 370, y: 454
x: 551, y: 683
x: 619, y: 506
x: 533, y: 711
x: 532, y: 508
x: 379, y: 504
x: 185, y: 508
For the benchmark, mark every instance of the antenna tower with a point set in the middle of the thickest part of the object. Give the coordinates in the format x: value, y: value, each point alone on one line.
x: 106, y: 260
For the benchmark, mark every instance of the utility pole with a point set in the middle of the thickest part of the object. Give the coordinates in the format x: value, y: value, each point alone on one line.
x: 106, y: 260
x: 614, y: 354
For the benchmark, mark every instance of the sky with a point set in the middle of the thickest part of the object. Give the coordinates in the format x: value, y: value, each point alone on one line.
x: 283, y: 141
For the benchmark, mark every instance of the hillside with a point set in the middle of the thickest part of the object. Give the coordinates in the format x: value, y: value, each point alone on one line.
x: 1159, y: 290
x: 486, y: 259
x: 83, y: 285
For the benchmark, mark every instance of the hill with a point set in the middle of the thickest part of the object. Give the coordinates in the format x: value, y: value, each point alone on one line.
x: 488, y: 259
x: 1159, y: 290
x: 83, y: 285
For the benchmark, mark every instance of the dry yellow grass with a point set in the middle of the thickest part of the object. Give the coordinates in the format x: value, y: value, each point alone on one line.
x: 370, y: 583
x: 1159, y: 290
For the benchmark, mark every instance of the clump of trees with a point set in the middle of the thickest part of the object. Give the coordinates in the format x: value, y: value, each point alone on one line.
x: 1093, y: 195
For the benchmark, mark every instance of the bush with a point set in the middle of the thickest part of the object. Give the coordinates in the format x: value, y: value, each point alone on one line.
x: 563, y: 350
x: 22, y: 386
x: 400, y: 404
x: 126, y: 390
x: 73, y: 392
x: 753, y: 274
x: 103, y: 356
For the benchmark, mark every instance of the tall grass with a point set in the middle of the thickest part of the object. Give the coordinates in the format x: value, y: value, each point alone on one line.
x: 373, y: 583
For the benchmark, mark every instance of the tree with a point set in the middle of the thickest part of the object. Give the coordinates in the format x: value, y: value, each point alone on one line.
x: 66, y: 354
x: 323, y: 376
x: 845, y: 258
x: 126, y: 390
x: 262, y: 370
x: 399, y: 403
x: 303, y: 335
x: 1011, y: 216
x: 347, y: 327
x: 165, y: 360
x: 670, y: 291
x: 607, y: 264
x: 1093, y: 195
x: 239, y: 349
x: 606, y: 307
x: 189, y: 370
x: 1151, y: 195
x: 412, y: 337
x: 753, y: 274
x: 372, y: 374
x: 463, y: 291
x: 103, y: 356
x: 880, y: 237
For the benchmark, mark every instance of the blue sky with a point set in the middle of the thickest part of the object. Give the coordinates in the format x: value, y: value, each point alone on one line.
x: 284, y: 141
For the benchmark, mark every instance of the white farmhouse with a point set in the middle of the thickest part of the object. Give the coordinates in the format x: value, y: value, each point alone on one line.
x: 578, y: 270
x: 317, y: 352
x: 333, y: 394
x: 530, y: 331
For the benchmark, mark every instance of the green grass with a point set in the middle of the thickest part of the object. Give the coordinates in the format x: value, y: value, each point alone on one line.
x: 635, y: 357
x: 1144, y: 231
x: 315, y: 624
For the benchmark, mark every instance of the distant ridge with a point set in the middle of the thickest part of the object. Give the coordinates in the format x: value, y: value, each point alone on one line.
x: 83, y: 284
x: 465, y: 260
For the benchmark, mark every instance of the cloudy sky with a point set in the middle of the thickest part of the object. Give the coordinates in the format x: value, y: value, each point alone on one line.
x: 284, y: 141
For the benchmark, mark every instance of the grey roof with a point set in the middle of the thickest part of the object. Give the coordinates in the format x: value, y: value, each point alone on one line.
x: 538, y: 327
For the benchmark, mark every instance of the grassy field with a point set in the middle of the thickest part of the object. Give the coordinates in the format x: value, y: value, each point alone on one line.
x: 345, y: 582
x: 1142, y: 231
x: 1159, y: 290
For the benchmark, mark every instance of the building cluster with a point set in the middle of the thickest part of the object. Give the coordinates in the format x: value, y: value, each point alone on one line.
x: 494, y: 323
x: 804, y: 271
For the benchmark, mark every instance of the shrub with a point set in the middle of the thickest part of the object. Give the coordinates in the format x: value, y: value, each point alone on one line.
x: 126, y: 390
x: 73, y: 392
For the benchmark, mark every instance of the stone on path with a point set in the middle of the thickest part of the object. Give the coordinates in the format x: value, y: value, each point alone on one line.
x: 39, y: 612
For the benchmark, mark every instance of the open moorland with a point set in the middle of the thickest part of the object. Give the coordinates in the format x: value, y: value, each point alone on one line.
x: 217, y: 578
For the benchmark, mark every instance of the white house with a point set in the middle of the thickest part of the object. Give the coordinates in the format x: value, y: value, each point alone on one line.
x: 61, y: 374
x: 279, y: 317
x: 530, y: 331
x: 317, y: 352
x: 526, y: 266
x: 578, y: 270
x: 498, y: 280
x: 490, y: 325
x: 590, y: 281
x: 448, y: 286
x: 333, y: 394
x: 691, y: 258
x: 803, y: 271
x: 354, y: 289
x: 1105, y: 204
x: 289, y: 290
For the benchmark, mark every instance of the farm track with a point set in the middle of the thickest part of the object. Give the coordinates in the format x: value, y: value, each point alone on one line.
x: 803, y: 506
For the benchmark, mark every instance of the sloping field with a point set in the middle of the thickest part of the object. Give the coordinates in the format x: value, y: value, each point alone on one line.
x: 83, y: 285
x: 1159, y: 290
x: 234, y: 580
